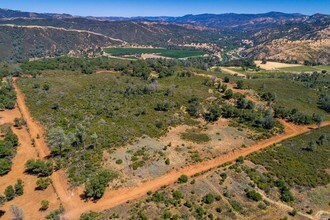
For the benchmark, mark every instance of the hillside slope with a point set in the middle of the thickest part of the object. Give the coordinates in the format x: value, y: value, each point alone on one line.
x: 307, y: 39
x: 141, y: 32
x: 19, y: 43
x: 273, y: 35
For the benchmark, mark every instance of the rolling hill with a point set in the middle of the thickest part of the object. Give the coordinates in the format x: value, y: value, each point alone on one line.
x: 273, y: 35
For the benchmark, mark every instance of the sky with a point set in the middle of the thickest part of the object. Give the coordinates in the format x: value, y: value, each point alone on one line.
x: 129, y: 8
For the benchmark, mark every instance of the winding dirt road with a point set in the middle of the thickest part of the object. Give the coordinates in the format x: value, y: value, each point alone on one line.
x: 72, y: 202
x: 63, y: 29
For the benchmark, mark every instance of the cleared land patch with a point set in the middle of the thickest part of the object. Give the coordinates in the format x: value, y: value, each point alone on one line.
x: 269, y: 65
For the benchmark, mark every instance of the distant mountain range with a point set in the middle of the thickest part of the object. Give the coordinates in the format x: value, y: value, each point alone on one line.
x: 6, y: 14
x: 272, y: 35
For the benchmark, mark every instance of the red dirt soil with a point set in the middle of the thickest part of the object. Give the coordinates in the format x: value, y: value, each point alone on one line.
x: 68, y: 197
x: 71, y: 200
x: 30, y: 201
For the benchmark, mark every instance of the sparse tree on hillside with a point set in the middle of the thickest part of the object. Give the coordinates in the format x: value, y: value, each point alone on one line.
x: 57, y: 138
x: 39, y: 167
x: 95, y: 187
x: 80, y: 134
x: 318, y: 119
x: 229, y: 94
x: 322, y: 139
x: 311, y: 146
x: 240, y: 84
x: 94, y: 138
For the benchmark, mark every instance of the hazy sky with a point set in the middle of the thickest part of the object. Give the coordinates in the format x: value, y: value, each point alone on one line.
x: 166, y: 7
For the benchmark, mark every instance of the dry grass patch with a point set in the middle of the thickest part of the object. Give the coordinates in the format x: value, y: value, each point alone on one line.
x: 195, y: 136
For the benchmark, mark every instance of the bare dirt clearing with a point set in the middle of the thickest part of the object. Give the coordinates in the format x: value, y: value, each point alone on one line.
x: 274, y: 65
x: 232, y: 72
x: 179, y: 152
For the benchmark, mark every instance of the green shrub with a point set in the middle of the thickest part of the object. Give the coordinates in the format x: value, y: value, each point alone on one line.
x: 254, y: 195
x: 200, y: 212
x: 10, y: 192
x: 89, y: 215
x: 218, y: 209
x: 293, y: 212
x: 262, y: 206
x: 239, y: 84
x: 167, y: 214
x: 39, y: 167
x: 55, y: 214
x: 5, y: 166
x: 7, y: 95
x: 138, y: 164
x: 177, y: 195
x: 95, y: 187
x: 188, y: 204
x: 44, y: 205
x: 208, y: 198
x: 240, y: 160
x: 119, y: 161
x: 183, y: 179
x: 236, y: 205
x: 43, y: 183
x: 19, y: 188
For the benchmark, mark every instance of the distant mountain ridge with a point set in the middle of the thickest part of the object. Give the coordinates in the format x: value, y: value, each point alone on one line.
x: 272, y: 35
x: 225, y: 20
x: 12, y: 14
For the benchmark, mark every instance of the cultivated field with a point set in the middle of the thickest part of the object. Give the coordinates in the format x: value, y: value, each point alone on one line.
x: 171, y: 53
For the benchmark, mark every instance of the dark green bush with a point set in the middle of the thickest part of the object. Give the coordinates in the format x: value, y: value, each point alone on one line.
x: 39, y: 167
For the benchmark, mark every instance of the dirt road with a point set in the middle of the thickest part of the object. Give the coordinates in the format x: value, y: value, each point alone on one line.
x: 75, y: 206
x: 31, y: 199
x: 68, y: 197
x: 232, y: 72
